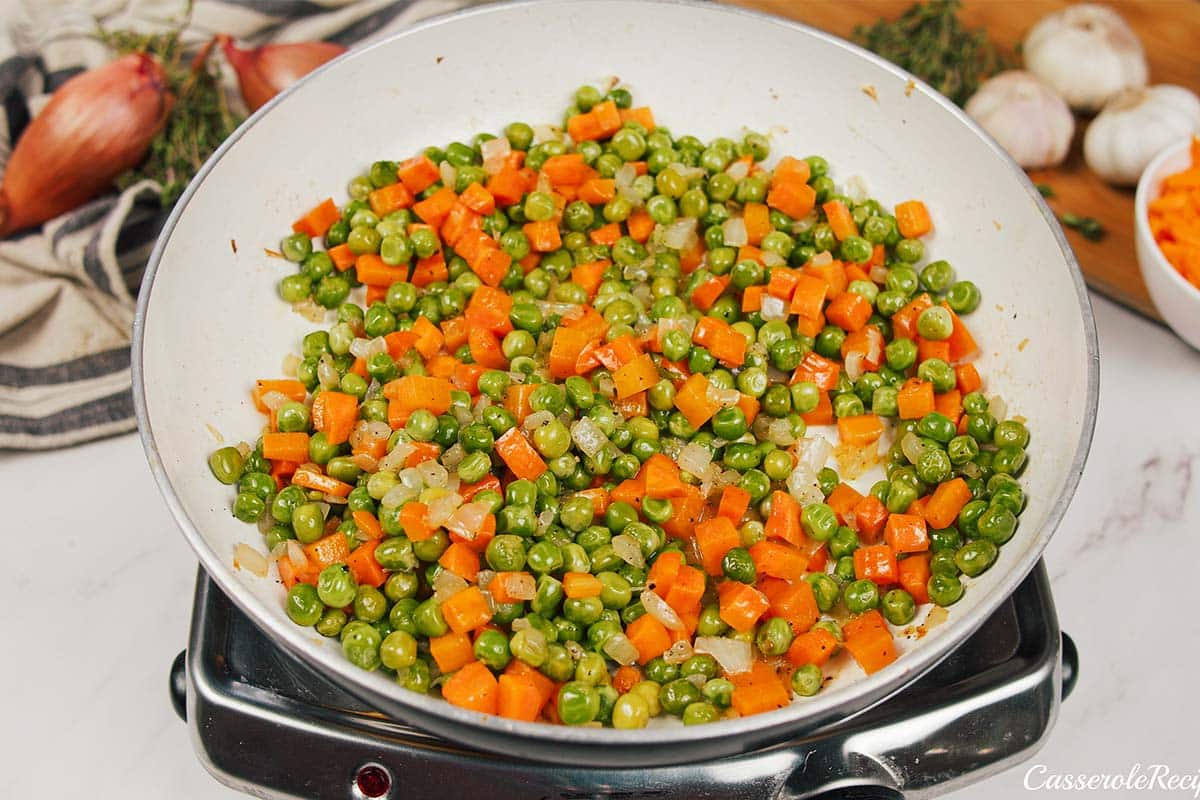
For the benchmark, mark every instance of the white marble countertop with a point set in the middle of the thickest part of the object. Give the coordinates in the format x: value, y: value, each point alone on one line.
x: 104, y: 600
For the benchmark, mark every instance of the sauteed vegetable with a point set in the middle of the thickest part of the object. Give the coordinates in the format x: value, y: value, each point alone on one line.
x: 568, y: 455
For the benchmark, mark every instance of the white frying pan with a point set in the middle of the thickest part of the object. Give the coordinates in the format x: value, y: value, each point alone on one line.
x: 209, y: 321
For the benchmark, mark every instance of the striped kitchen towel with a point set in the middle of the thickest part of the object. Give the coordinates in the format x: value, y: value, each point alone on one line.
x: 67, y: 291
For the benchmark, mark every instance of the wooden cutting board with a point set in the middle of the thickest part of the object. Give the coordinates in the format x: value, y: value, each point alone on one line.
x: 1168, y: 30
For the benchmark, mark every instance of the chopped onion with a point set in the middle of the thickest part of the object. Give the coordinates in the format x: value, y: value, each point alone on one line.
x: 327, y: 374
x: 468, y: 519
x: 433, y: 473
x: 625, y: 175
x: 879, y: 273
x: 971, y: 469
x: 546, y: 133
x: 573, y: 648
x: 805, y: 223
x: 309, y: 309
x: 657, y: 607
x: 244, y: 449
x: 734, y: 229
x: 779, y: 431
x: 265, y: 522
x: 454, y: 455
x: 912, y: 446
x: 398, y: 496
x: 822, y: 259
x: 856, y: 188
x: 621, y: 650
x: 290, y: 363
x: 366, y: 462
x: 394, y: 460
x: 725, y: 397
x: 537, y: 420
x: 545, y: 520
x: 813, y: 452
x: 733, y: 655
x: 484, y: 577
x: 274, y: 400
x: 773, y: 308
x: 365, y: 431
x: 738, y: 170
x: 278, y: 551
x: 442, y: 508
x: 494, y: 152
x: 543, y: 183
x: 695, y: 459
x: 680, y: 233
x: 772, y: 259
x: 803, y: 486
x: 679, y: 652
x: 447, y: 584
x: 606, y: 386
x: 248, y: 558
x: 998, y: 408
x: 696, y: 679
x: 463, y: 415
x: 627, y: 548
x: 588, y: 437
x: 296, y: 555
x: 854, y: 365
x: 411, y: 477
x: 449, y: 173
x: 334, y: 500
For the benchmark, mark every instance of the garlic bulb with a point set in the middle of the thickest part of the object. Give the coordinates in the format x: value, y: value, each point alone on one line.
x: 1135, y: 127
x: 1087, y: 54
x: 1025, y: 116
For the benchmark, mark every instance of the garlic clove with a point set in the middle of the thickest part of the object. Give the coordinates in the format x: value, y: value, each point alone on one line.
x: 1087, y: 53
x: 1135, y: 126
x: 1025, y: 116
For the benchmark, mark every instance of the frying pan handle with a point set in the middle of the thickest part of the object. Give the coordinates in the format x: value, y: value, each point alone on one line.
x: 177, y: 684
x: 1070, y: 666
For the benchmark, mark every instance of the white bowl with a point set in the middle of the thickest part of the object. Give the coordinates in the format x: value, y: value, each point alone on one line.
x: 1177, y: 300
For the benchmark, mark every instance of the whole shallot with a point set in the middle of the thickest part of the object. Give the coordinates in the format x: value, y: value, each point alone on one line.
x: 96, y: 126
x: 264, y: 72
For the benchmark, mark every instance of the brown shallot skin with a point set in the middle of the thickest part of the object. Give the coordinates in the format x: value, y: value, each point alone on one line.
x: 96, y: 126
x: 264, y: 72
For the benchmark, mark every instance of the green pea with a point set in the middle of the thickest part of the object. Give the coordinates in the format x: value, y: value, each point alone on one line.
x: 415, y: 678
x: 975, y: 557
x: 700, y: 713
x: 304, y: 607
x: 756, y: 483
x: 336, y: 586
x: 825, y: 589
x: 630, y: 712
x: 898, y: 607
x: 963, y: 297
x: 807, y: 680
x: 861, y: 595
x: 677, y: 695
x: 360, y: 645
x: 774, y: 637
x: 944, y: 590
x: 578, y: 703
x: 331, y: 623
x: 657, y: 509
x: 819, y: 521
x: 1008, y: 459
x: 935, y: 323
x: 737, y: 565
x: 491, y: 647
x: 997, y: 524
x: 427, y: 617
x: 226, y: 464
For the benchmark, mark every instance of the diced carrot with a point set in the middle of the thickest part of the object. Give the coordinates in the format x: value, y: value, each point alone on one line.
x: 860, y: 431
x: 578, y: 585
x: 285, y: 446
x: 817, y: 369
x: 390, y: 198
x: 842, y: 500
x: 840, y: 219
x: 741, y: 606
x: 371, y: 270
x: 649, y: 636
x: 568, y: 168
x: 590, y: 275
x: 962, y: 343
x: 693, y: 401
x: 915, y: 399
x: 636, y: 376
x: 466, y: 610
x: 596, y: 191
x: 473, y: 687
x: 420, y: 391
x: 430, y: 270
x: 784, y: 520
x: 735, y: 502
x: 518, y: 698
x: 661, y: 477
x: 912, y: 218
x: 946, y: 501
x: 687, y: 590
x: 714, y: 538
x: 606, y: 234
x: 433, y: 209
x: 317, y: 221
x: 418, y: 173
x: 870, y: 645
x: 640, y: 226
x: 414, y: 519
x: 543, y: 236
x: 967, y: 378
x: 876, y: 563
x: 797, y: 603
x: 904, y: 321
x: 914, y: 576
x: 663, y: 571
x: 704, y: 295
x: 752, y: 298
x: 720, y: 338
x: 868, y: 518
x: 519, y: 455
x: 328, y: 550
x: 814, y: 647
x: 363, y: 566
x: 794, y: 198
x: 778, y: 560
x: 757, y: 218
x: 642, y: 115
x: 478, y: 199
x: 849, y: 311
x: 343, y: 258
x: 368, y: 524
x: 564, y: 351
x: 461, y: 560
x: 808, y: 295
x: 906, y: 533
x: 927, y: 349
x: 822, y: 414
x: 758, y: 691
x: 687, y: 513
